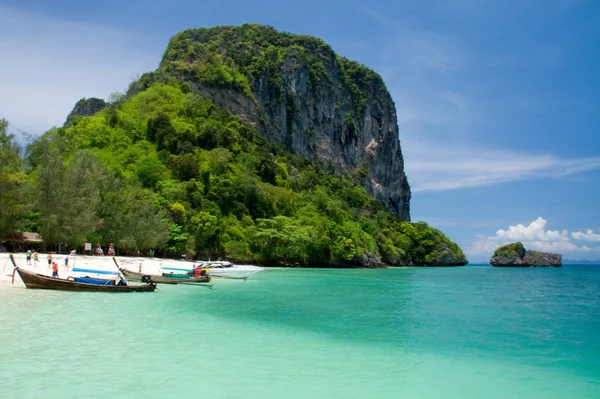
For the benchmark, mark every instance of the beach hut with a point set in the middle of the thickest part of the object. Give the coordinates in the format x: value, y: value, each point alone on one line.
x: 18, y: 241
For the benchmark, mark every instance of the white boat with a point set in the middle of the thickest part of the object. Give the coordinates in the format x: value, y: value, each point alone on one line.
x: 228, y: 269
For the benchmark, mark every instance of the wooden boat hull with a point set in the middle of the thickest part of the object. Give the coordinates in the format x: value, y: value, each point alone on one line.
x: 153, y: 278
x: 39, y: 281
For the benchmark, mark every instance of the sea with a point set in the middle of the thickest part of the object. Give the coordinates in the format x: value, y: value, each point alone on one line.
x: 410, y: 333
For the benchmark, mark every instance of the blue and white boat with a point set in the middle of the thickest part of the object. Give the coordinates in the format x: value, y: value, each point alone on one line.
x: 229, y: 270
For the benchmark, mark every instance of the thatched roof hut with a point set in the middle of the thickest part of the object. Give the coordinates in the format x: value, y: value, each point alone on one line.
x: 24, y: 237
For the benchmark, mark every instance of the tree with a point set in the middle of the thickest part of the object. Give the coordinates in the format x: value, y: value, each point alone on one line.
x: 149, y: 171
x: 179, y: 240
x: 186, y: 166
x: 131, y: 217
x: 67, y: 192
x: 46, y: 153
x: 79, y: 198
x: 282, y: 238
x: 116, y: 97
x: 12, y: 183
x: 161, y: 131
x: 206, y: 228
x: 219, y: 160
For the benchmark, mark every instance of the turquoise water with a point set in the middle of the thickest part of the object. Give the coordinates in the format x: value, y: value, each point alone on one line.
x: 473, y: 332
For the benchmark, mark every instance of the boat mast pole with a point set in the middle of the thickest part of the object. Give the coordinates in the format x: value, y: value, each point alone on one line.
x: 119, y: 270
x: 12, y: 259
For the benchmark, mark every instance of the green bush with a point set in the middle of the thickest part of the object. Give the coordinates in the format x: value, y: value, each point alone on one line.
x: 511, y: 250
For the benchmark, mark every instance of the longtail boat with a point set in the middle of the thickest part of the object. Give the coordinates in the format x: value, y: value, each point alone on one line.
x: 35, y: 280
x: 222, y: 269
x: 165, y: 278
x: 40, y: 281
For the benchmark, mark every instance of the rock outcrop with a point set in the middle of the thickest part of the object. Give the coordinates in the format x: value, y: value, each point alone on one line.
x: 542, y: 259
x: 515, y: 255
x: 85, y: 107
x: 300, y: 95
x: 441, y: 257
x: 449, y: 259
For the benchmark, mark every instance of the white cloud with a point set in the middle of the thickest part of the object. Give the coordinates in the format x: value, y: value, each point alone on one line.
x: 48, y: 64
x: 587, y: 236
x: 439, y: 124
x: 533, y: 236
x: 562, y: 246
x: 432, y: 167
x: 533, y: 232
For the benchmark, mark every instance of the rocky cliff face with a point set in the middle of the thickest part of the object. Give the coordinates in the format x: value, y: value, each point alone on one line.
x: 299, y: 94
x: 515, y: 255
x: 542, y: 259
x: 85, y: 107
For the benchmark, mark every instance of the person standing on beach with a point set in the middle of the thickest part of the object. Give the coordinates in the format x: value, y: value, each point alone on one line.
x: 54, y: 270
x: 28, y: 257
x: 111, y: 249
x: 67, y: 263
x: 35, y: 257
x: 49, y: 260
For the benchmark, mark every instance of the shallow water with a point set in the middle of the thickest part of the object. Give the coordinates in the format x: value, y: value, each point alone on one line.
x: 473, y: 332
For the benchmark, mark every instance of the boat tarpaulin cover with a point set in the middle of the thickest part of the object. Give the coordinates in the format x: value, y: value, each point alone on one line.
x: 78, y: 269
x: 89, y: 280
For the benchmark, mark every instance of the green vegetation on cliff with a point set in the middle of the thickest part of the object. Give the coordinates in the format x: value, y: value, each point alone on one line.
x: 516, y: 250
x: 237, y: 57
x: 165, y: 168
x: 534, y: 257
x: 170, y: 170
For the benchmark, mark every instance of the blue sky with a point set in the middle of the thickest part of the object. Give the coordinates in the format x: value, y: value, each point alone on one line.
x: 498, y: 101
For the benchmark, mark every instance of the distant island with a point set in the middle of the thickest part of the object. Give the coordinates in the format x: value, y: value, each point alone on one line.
x: 515, y: 255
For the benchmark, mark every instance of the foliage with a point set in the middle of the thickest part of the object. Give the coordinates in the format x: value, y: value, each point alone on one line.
x: 68, y: 191
x: 150, y: 170
x: 173, y: 171
x: 246, y: 57
x: 79, y: 200
x: 533, y: 257
x: 357, y: 78
x: 13, y: 183
x: 515, y: 249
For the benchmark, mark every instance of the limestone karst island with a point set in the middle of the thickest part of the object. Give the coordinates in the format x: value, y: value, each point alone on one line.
x: 515, y: 255
x: 247, y: 144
